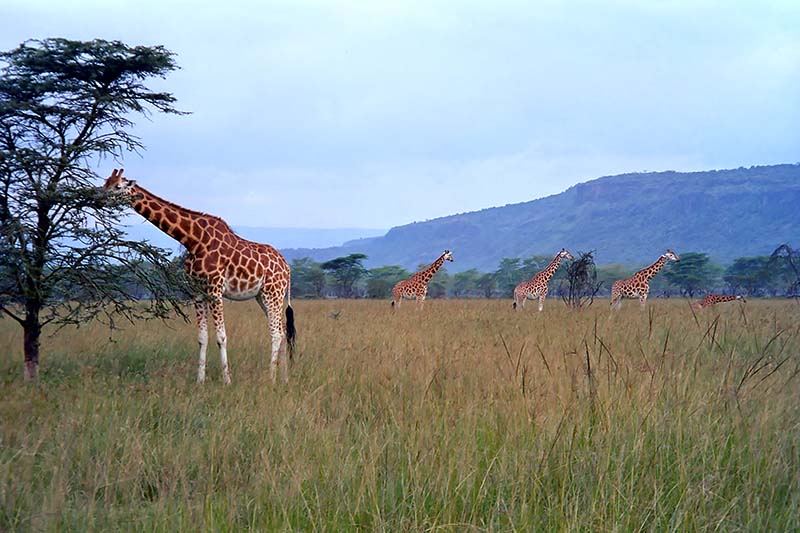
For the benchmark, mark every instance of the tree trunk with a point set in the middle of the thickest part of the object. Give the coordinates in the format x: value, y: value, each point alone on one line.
x: 33, y: 331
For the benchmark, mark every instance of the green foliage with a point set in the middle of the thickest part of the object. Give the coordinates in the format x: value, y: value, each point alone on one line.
x: 693, y: 274
x: 509, y: 274
x: 346, y: 271
x: 381, y: 280
x: 466, y: 284
x: 750, y: 275
x: 308, y: 278
x: 63, y: 106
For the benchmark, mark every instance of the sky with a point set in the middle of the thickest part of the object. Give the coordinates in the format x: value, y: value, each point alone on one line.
x: 372, y: 114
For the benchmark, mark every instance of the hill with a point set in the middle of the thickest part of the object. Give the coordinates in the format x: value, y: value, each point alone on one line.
x: 628, y: 218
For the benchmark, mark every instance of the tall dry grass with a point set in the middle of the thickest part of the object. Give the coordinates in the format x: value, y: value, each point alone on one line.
x: 463, y: 416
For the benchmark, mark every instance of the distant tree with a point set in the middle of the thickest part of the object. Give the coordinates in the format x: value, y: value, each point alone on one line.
x: 508, y: 274
x: 63, y: 105
x: 308, y: 278
x: 487, y: 284
x: 608, y: 274
x: 465, y: 284
x: 749, y: 274
x: 346, y: 271
x: 694, y: 273
x: 579, y: 285
x: 381, y: 280
x: 790, y: 259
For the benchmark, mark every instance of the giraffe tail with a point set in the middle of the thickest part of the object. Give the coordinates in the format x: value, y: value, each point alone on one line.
x: 291, y: 331
x: 514, y: 305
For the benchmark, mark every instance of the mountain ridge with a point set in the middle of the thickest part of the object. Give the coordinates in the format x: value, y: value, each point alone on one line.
x: 626, y: 218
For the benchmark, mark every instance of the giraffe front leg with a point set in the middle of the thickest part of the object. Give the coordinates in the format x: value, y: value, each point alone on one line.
x: 201, y: 308
x: 542, y: 296
x: 222, y: 339
x: 642, y: 301
x: 420, y: 301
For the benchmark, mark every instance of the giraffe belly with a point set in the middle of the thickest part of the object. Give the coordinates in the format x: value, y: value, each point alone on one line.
x: 241, y: 290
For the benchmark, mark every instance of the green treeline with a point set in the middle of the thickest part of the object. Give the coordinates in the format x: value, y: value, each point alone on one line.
x: 696, y: 274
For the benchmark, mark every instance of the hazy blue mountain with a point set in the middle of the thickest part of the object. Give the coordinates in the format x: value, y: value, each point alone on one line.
x: 278, y: 237
x: 629, y: 218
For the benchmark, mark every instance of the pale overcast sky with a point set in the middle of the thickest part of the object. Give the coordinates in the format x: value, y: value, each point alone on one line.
x: 374, y: 114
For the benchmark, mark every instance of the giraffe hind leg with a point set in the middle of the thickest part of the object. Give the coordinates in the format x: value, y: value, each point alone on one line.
x: 201, y: 308
x: 271, y: 305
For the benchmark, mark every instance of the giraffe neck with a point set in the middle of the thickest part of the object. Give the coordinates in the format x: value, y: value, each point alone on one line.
x: 426, y: 274
x: 176, y: 221
x: 652, y: 270
x: 546, y: 274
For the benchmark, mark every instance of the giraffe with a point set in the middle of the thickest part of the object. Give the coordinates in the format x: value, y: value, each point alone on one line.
x: 714, y: 299
x: 417, y: 285
x: 536, y: 287
x: 225, y: 264
x: 637, y: 286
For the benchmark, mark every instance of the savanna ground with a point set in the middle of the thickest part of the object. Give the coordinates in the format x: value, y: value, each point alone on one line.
x: 463, y: 416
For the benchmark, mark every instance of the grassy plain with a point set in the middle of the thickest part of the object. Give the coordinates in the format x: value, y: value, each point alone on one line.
x: 464, y: 416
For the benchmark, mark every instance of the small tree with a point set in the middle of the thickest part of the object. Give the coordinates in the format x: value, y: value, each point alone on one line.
x: 694, y: 273
x: 382, y: 280
x: 308, y: 278
x: 750, y: 274
x: 465, y: 283
x: 579, y: 285
x: 791, y: 262
x: 63, y: 105
x: 487, y: 284
x: 508, y: 274
x: 346, y: 271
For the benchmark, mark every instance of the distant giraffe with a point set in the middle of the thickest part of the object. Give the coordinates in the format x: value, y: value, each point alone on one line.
x: 713, y: 299
x: 417, y: 285
x: 637, y: 286
x: 536, y: 287
x: 226, y: 264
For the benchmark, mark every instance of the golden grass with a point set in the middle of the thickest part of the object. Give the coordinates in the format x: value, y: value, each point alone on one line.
x: 463, y: 416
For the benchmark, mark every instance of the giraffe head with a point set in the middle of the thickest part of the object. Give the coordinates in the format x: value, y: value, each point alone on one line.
x: 669, y: 255
x: 564, y: 253
x: 118, y: 185
x: 448, y: 255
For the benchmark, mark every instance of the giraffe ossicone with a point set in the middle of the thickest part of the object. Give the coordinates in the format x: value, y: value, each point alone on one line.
x: 416, y: 287
x: 226, y: 265
x: 638, y: 285
x: 536, y: 287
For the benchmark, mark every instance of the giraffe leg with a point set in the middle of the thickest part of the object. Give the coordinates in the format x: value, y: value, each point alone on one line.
x: 541, y: 302
x: 420, y: 301
x: 201, y: 307
x: 642, y: 301
x: 272, y: 309
x: 222, y: 339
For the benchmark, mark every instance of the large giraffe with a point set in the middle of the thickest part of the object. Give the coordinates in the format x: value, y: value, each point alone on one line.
x: 637, y: 286
x: 714, y: 299
x: 536, y: 287
x: 226, y: 264
x: 417, y: 285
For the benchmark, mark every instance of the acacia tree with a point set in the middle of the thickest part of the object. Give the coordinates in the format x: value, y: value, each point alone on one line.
x: 63, y: 106
x: 346, y: 271
x: 792, y: 261
x: 580, y: 281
